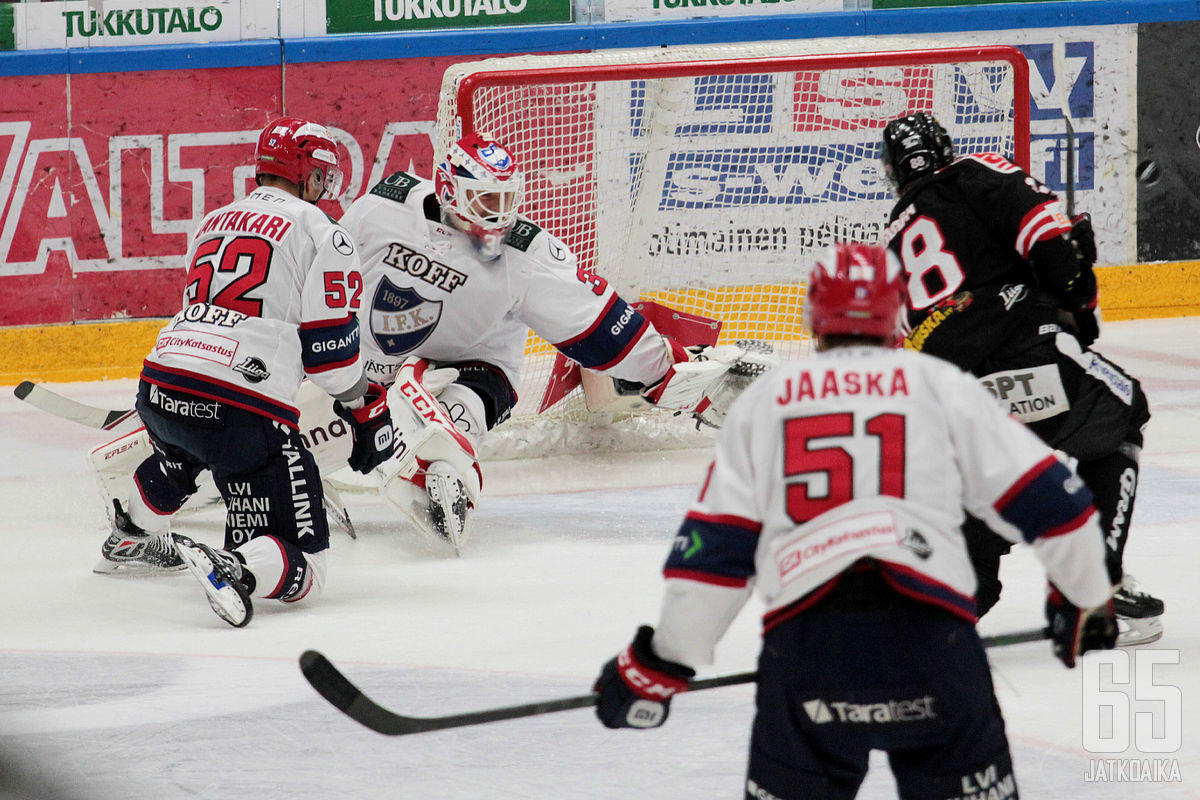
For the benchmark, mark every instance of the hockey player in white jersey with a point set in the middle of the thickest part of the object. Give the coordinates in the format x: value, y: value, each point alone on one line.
x: 270, y: 299
x: 837, y: 490
x: 454, y: 279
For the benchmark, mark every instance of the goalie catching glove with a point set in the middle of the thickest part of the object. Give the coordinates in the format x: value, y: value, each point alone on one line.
x: 636, y: 687
x: 706, y: 380
x: 371, y: 424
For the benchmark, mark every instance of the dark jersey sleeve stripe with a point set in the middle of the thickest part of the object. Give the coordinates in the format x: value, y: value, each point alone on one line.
x: 609, y: 338
x: 326, y: 346
x: 714, y: 549
x: 1047, y: 501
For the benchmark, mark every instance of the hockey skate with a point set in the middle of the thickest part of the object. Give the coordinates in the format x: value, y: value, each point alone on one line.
x: 449, y: 510
x: 130, y: 551
x: 220, y: 574
x: 1139, y: 615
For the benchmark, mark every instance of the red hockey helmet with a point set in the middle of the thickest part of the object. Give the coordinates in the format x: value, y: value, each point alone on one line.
x: 294, y: 149
x: 480, y: 189
x: 856, y: 290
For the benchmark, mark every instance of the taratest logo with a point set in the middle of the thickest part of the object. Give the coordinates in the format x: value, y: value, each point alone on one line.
x: 914, y: 710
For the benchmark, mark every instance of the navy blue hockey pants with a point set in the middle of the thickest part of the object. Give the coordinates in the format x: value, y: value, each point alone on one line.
x: 842, y: 679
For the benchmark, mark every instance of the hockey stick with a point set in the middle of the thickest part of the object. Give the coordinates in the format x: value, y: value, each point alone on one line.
x: 54, y: 403
x: 335, y: 687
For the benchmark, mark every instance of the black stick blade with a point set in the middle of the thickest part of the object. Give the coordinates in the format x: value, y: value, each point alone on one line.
x: 348, y: 698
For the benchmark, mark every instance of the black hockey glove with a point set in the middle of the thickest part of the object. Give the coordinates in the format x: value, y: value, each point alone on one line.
x: 636, y: 687
x: 371, y: 424
x: 1083, y: 325
x: 1074, y: 632
x: 1083, y: 237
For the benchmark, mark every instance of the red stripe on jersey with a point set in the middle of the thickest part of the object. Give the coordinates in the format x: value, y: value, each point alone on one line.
x: 780, y: 615
x: 263, y: 410
x: 335, y: 365
x: 325, y: 323
x: 705, y: 577
x: 928, y: 590
x: 1069, y: 527
x: 637, y: 337
x: 1026, y: 479
x: 1042, y: 222
x: 591, y: 328
x: 745, y: 524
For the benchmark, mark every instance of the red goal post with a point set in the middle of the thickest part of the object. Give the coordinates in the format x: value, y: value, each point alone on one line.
x: 703, y: 177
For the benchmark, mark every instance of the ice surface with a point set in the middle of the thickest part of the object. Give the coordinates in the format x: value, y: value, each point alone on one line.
x: 126, y: 688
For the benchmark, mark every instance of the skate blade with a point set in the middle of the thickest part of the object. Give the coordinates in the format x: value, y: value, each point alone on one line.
x: 135, y: 569
x: 1133, y: 632
x: 226, y: 600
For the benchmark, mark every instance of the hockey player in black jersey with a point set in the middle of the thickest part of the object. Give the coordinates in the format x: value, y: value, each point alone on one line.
x: 1000, y: 282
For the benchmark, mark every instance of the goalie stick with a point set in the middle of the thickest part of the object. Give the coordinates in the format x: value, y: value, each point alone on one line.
x: 60, y: 406
x: 335, y: 687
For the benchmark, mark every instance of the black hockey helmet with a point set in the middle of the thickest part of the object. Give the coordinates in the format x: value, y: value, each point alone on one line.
x: 914, y: 145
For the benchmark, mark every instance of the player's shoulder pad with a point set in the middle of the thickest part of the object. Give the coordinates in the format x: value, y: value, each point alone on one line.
x: 396, y: 186
x: 522, y: 234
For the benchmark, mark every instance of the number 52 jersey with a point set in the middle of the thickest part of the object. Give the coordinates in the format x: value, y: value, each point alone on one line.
x: 270, y: 295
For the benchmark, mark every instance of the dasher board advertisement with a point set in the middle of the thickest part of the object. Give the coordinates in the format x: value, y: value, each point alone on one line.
x: 635, y: 10
x: 390, y: 16
x: 113, y: 23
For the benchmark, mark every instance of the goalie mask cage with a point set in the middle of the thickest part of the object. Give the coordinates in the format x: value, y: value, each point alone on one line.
x: 704, y: 178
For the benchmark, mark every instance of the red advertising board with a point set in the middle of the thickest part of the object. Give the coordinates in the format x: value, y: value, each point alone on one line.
x: 98, y: 204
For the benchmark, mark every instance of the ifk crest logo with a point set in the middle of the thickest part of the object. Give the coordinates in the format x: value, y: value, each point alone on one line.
x: 401, y: 320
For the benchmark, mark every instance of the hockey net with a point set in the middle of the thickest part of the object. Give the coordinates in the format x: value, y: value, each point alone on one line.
x: 704, y: 178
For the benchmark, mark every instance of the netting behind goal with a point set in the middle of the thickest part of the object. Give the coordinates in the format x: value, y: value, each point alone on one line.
x: 704, y: 178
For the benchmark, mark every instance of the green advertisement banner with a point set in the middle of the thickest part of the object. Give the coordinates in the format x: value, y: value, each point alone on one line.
x: 385, y: 16
x: 8, y: 36
x: 878, y: 4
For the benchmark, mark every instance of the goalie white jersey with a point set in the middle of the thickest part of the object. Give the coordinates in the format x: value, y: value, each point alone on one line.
x: 268, y: 300
x: 427, y: 294
x: 867, y: 452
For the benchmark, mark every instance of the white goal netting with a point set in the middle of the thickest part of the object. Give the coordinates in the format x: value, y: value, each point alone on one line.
x: 703, y: 178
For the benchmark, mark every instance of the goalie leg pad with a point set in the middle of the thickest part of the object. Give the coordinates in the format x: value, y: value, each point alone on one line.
x: 425, y: 433
x: 434, y: 477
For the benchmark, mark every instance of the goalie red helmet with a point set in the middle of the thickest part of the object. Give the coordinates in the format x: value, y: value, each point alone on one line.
x: 480, y: 189
x: 856, y: 290
x: 295, y: 149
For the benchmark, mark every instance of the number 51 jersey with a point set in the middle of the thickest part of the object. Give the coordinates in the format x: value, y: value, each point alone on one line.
x: 270, y: 295
x: 867, y: 452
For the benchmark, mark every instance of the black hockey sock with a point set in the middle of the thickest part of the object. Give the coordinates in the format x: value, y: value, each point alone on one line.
x: 1113, y: 482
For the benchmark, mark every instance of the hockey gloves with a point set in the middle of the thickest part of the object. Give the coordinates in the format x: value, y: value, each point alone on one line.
x: 636, y: 687
x: 706, y: 380
x: 371, y: 424
x: 1074, y: 631
x: 1083, y: 237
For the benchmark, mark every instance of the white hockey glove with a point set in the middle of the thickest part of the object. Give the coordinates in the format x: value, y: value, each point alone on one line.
x: 711, y: 379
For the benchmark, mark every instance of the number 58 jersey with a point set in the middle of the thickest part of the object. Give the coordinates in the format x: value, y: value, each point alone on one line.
x: 270, y: 295
x: 867, y: 452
